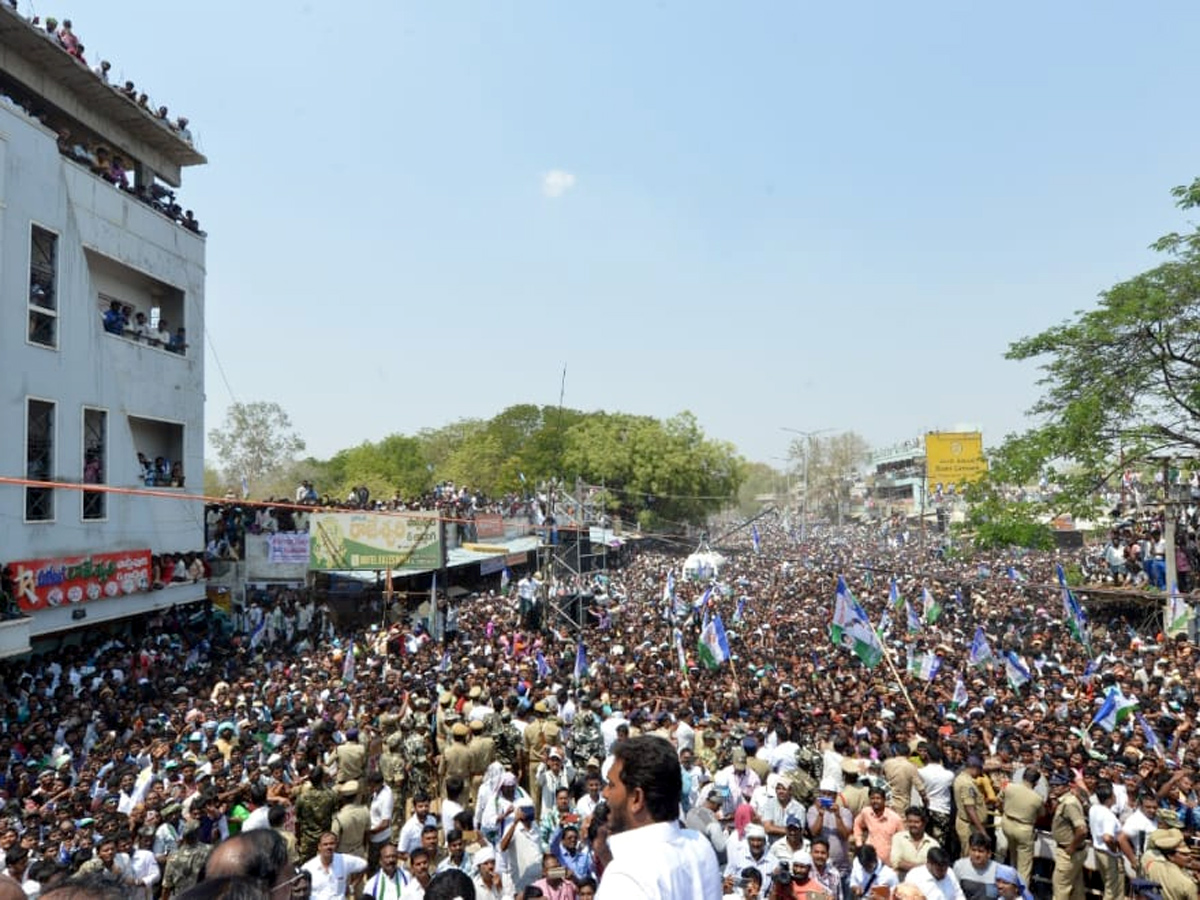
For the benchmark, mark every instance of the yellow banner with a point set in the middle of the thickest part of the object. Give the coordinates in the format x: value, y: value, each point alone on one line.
x: 954, y: 457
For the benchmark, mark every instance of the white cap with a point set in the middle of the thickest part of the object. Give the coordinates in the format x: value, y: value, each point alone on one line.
x: 483, y: 855
x: 755, y: 831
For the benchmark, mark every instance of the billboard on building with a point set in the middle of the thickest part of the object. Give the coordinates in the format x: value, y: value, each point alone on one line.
x: 954, y: 457
x: 368, y: 540
x: 71, y: 580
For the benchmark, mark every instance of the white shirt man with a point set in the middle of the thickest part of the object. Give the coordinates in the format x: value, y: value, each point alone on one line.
x: 381, y: 813
x: 331, y: 871
x: 935, y: 880
x: 938, y: 782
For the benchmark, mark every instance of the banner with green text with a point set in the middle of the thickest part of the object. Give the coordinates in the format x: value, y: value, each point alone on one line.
x: 366, y: 540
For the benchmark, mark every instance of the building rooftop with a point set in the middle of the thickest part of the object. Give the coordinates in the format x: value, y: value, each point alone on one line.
x: 31, y: 56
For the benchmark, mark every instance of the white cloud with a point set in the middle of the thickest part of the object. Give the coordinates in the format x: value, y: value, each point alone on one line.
x: 557, y: 182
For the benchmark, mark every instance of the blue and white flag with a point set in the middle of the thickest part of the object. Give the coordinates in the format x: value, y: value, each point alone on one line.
x: 1115, y: 710
x: 1014, y: 575
x: 1089, y: 670
x: 960, y: 698
x: 677, y: 636
x: 581, y: 664
x: 259, y: 632
x: 754, y: 537
x: 1015, y: 669
x: 852, y: 629
x: 348, y: 664
x: 702, y: 601
x: 914, y: 621
x: 895, y: 601
x: 958, y: 600
x: 980, y: 653
x: 1074, y: 614
x: 245, y: 488
x: 739, y: 614
x: 714, y: 644
x: 543, y: 667
x: 505, y: 577
x: 1152, y: 740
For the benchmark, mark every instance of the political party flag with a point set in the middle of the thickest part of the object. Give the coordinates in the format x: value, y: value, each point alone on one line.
x: 581, y: 663
x: 1016, y: 670
x: 1075, y: 617
x: 885, y: 624
x: 754, y: 537
x: 245, y: 488
x: 924, y: 665
x: 958, y: 601
x: 869, y: 579
x: 1152, y: 740
x: 1178, y: 616
x: 980, y: 653
x: 1014, y: 575
x: 852, y: 629
x: 740, y: 613
x: 669, y: 590
x: 348, y: 664
x: 894, y: 599
x: 914, y: 621
x: 1089, y: 670
x: 444, y: 665
x: 983, y: 571
x: 505, y: 577
x: 702, y: 601
x: 543, y: 667
x: 677, y: 635
x: 259, y: 632
x: 960, y: 698
x: 930, y: 607
x: 1115, y: 710
x: 714, y: 645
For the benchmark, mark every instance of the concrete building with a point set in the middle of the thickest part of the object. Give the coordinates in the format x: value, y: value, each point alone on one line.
x: 84, y: 395
x: 897, y: 478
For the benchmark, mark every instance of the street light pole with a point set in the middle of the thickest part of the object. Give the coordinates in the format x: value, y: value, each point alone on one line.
x: 808, y: 436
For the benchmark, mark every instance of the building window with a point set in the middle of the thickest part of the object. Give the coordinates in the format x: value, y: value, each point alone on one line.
x: 39, y: 460
x: 159, y: 446
x: 95, y: 462
x: 43, y: 288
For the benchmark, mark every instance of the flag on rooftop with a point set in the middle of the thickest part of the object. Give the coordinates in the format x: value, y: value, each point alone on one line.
x: 851, y: 628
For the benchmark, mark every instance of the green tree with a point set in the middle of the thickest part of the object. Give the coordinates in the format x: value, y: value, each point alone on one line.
x: 395, y: 463
x: 1121, y: 382
x: 256, y: 441
x: 214, y: 481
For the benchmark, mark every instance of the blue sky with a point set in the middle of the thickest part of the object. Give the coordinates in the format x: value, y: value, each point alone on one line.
x: 770, y: 214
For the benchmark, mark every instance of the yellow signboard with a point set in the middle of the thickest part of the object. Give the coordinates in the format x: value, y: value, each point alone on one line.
x: 954, y: 457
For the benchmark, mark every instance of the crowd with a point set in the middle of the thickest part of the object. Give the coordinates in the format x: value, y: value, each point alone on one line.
x: 121, y: 320
x: 547, y: 761
x: 93, y: 152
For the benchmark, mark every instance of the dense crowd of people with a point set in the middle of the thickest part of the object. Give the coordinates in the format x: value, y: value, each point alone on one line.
x: 530, y: 757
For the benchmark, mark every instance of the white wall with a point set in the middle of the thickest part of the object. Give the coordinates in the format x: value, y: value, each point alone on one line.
x: 90, y: 367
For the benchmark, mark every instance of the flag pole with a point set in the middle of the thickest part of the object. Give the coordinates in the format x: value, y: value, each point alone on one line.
x: 887, y: 657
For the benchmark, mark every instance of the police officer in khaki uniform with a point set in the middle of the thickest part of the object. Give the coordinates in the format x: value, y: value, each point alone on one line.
x: 351, y: 822
x: 1022, y: 806
x: 968, y: 803
x: 456, y: 761
x: 1163, y: 863
x: 483, y: 753
x: 535, y: 745
x: 1069, y: 829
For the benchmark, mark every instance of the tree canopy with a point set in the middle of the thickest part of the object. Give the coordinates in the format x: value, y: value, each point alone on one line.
x: 1121, y: 383
x: 256, y: 440
x: 657, y: 472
